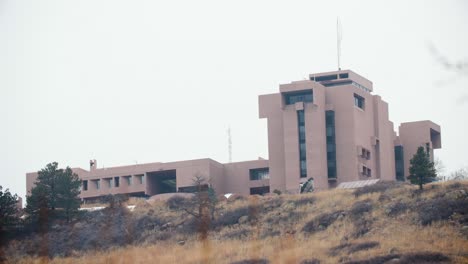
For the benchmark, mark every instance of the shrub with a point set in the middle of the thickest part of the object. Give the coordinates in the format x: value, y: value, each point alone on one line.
x: 360, y: 208
x: 285, y: 217
x: 397, y: 208
x: 272, y: 203
x: 441, y: 208
x: 303, y: 201
x: 322, y: 221
x: 269, y: 233
x: 310, y: 261
x: 231, y: 217
x: 252, y: 261
x: 379, y: 187
x: 361, y: 227
x: 349, y: 248
x: 237, y: 234
x: 418, y: 257
x: 176, y: 202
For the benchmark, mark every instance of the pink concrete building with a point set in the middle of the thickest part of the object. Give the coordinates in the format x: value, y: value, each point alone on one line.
x: 330, y: 128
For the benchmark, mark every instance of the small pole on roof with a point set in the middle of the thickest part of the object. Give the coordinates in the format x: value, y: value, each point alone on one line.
x: 229, y: 144
x: 338, y: 41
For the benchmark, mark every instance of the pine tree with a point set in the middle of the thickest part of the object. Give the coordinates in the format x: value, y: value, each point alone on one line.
x: 8, y: 208
x: 422, y: 169
x: 54, y: 189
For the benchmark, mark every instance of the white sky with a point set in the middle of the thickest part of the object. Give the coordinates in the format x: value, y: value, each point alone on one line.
x: 146, y: 81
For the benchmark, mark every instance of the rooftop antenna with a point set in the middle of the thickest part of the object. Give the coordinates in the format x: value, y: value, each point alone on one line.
x: 338, y: 41
x: 229, y: 144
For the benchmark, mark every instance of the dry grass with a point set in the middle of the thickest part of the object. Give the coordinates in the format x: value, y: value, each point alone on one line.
x: 399, y: 234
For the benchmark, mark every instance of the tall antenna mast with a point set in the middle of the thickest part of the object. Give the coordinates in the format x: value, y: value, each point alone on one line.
x: 229, y: 144
x: 338, y: 41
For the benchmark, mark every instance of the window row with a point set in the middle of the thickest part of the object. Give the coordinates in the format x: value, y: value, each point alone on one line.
x: 305, y: 96
x: 112, y: 182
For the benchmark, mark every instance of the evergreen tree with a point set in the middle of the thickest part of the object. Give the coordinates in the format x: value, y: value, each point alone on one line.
x: 422, y: 169
x: 54, y: 189
x: 8, y: 208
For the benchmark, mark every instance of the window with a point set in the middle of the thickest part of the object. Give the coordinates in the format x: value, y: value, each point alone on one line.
x: 259, y: 174
x: 337, y: 83
x: 302, y: 134
x: 326, y: 78
x: 140, y: 178
x: 365, y: 154
x: 428, y: 150
x: 194, y: 189
x: 359, y: 101
x: 303, y: 168
x: 344, y: 75
x: 399, y: 163
x: 117, y: 182
x: 302, y: 143
x: 109, y: 182
x: 97, y: 184
x: 301, y: 96
x: 260, y: 190
x: 128, y: 179
x: 84, y: 185
x: 331, y: 144
x: 366, y: 171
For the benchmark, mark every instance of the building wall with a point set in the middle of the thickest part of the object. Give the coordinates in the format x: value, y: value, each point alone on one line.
x: 237, y: 176
x: 415, y: 134
x: 356, y: 128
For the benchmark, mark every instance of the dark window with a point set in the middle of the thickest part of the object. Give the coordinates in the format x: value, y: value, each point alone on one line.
x: 97, y: 184
x: 399, y: 163
x: 326, y: 78
x: 259, y: 174
x: 128, y: 179
x: 302, y: 143
x: 117, y: 182
x: 301, y: 96
x: 194, y: 189
x: 428, y: 149
x: 344, y: 75
x: 365, y: 154
x: 260, y: 190
x: 338, y: 83
x: 331, y: 145
x: 84, y: 185
x: 109, y: 182
x: 301, y: 133
x: 366, y: 171
x: 358, y: 101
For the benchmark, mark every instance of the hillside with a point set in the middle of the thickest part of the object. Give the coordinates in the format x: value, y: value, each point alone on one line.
x: 384, y: 223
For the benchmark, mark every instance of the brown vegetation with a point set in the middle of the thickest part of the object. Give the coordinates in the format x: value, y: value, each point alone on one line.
x: 324, y: 227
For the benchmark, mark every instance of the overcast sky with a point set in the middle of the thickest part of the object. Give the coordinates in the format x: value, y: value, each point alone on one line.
x: 129, y: 82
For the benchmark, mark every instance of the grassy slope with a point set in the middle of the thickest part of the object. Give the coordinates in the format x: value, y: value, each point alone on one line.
x: 276, y: 231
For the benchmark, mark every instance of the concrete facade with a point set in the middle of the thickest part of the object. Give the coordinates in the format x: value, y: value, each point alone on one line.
x: 330, y: 128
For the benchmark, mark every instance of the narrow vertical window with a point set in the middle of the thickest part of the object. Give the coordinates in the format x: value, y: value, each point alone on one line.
x: 399, y: 163
x: 302, y: 143
x: 331, y: 144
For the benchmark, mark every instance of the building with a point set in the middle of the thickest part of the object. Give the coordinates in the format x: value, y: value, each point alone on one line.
x: 330, y: 128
